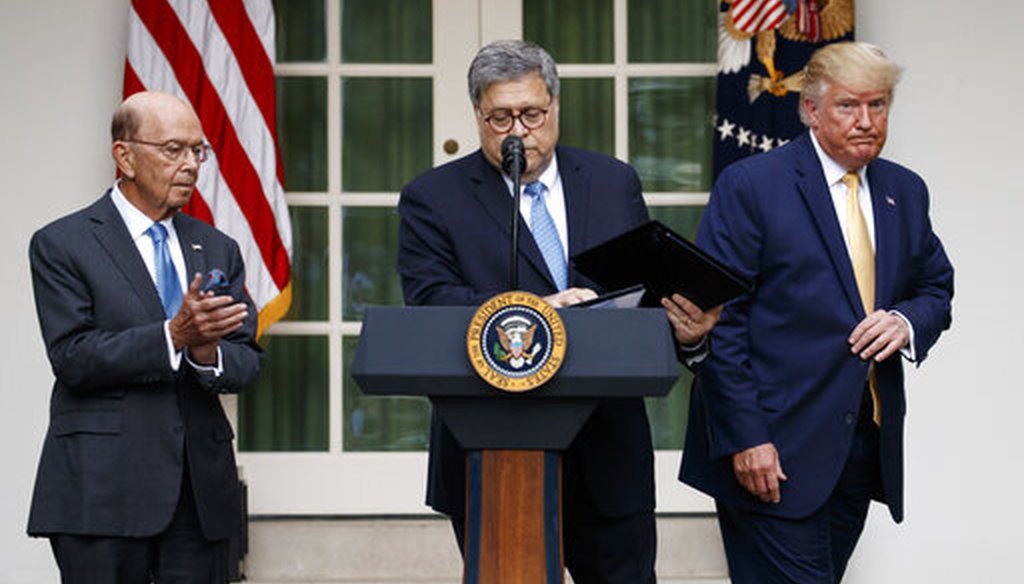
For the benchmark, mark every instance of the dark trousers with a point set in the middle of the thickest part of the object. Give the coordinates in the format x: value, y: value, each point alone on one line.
x: 178, y: 555
x: 763, y: 549
x: 598, y: 549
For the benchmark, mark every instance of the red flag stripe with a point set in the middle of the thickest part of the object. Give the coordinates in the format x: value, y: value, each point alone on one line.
x: 255, y: 64
x: 165, y: 28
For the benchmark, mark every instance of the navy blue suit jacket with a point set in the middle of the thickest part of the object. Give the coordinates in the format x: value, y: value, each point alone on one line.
x: 120, y: 417
x: 781, y: 369
x: 454, y: 249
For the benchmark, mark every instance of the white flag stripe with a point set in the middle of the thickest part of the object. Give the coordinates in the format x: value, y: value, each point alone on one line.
x: 156, y: 74
x: 244, y: 114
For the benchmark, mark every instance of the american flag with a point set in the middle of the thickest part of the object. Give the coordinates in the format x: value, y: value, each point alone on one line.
x: 754, y: 16
x: 218, y: 55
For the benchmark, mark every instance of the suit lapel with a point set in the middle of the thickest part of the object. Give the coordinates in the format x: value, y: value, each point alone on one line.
x: 192, y: 246
x: 811, y: 184
x: 883, y: 202
x: 490, y: 191
x: 112, y: 234
x: 577, y: 200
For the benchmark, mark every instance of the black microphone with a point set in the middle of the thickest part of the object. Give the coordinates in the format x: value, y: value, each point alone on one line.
x: 513, y: 162
x: 513, y: 159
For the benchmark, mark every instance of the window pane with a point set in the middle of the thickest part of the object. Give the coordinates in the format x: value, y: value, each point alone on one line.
x: 370, y: 250
x: 287, y: 410
x: 668, y: 414
x: 683, y: 219
x: 387, y: 131
x: 381, y: 423
x: 588, y: 114
x: 673, y: 31
x: 309, y: 264
x: 573, y: 31
x: 301, y: 31
x: 670, y: 131
x: 386, y: 31
x: 302, y: 131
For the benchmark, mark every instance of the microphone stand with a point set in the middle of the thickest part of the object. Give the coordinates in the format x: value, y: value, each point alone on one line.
x: 514, y: 163
x: 513, y: 276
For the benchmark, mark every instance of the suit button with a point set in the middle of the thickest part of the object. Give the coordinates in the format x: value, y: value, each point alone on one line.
x: 850, y: 418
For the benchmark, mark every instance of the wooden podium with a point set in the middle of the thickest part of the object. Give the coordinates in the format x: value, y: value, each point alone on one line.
x: 514, y: 441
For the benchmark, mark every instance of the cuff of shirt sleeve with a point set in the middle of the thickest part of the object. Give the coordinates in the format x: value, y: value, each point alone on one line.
x: 173, y: 355
x: 692, y: 355
x: 216, y: 370
x: 908, y: 352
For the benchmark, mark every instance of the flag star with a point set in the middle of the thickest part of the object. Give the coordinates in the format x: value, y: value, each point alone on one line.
x: 743, y: 137
x: 781, y: 142
x: 766, y: 144
x: 726, y: 129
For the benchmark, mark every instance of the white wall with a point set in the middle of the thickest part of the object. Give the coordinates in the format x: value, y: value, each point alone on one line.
x: 60, y: 73
x: 955, y: 122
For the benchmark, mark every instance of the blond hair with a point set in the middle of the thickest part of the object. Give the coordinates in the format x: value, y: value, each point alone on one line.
x: 859, y: 66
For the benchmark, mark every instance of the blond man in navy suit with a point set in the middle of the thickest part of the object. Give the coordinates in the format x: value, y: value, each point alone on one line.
x: 796, y: 420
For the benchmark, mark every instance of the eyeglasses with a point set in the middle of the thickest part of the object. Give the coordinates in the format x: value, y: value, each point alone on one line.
x: 174, y: 150
x: 502, y: 121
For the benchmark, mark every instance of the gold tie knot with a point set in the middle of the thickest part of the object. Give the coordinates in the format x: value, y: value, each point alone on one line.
x: 852, y: 181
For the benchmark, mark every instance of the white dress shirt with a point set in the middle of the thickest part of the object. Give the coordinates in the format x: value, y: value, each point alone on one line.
x: 137, y: 223
x: 554, y: 198
x: 834, y: 173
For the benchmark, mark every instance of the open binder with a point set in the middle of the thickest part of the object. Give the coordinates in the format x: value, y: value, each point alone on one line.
x: 662, y: 262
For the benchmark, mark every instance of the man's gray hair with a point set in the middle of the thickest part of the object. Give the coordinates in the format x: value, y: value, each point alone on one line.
x: 507, y: 61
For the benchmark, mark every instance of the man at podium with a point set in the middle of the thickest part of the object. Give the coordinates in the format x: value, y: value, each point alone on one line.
x: 454, y: 249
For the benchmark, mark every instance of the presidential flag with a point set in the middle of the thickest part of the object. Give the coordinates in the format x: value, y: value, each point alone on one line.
x: 763, y: 46
x: 218, y: 55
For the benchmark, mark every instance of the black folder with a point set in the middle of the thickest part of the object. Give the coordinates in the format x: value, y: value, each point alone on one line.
x: 663, y: 262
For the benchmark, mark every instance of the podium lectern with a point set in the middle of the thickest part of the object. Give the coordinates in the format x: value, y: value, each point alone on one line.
x: 513, y: 440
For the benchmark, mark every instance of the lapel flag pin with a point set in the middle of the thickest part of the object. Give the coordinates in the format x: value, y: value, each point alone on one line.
x: 890, y: 201
x: 197, y: 247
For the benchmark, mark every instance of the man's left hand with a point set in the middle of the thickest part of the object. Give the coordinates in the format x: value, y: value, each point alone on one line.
x: 570, y: 296
x: 879, y: 336
x: 689, y: 323
x: 203, y: 320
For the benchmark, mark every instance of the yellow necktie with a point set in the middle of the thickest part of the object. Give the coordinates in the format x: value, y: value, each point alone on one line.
x: 862, y: 255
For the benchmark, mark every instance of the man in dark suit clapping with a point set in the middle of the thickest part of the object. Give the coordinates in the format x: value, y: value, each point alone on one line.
x: 137, y: 479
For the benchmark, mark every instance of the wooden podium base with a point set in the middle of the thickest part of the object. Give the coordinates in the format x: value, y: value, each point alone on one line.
x: 513, y: 517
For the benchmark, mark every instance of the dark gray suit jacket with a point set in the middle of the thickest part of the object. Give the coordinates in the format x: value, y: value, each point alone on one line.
x: 120, y: 417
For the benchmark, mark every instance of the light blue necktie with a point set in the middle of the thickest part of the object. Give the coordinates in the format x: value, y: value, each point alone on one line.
x: 167, y: 283
x: 546, y: 235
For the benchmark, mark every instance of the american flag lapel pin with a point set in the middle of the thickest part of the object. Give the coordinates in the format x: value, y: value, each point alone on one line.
x: 199, y: 247
x: 890, y: 201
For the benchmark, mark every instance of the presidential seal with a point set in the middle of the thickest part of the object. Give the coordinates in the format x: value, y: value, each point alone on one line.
x: 516, y: 341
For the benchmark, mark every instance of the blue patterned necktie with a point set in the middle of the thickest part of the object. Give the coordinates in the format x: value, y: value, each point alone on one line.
x: 546, y: 235
x: 167, y: 283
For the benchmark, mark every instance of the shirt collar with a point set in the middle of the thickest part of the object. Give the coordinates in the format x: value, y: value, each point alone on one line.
x: 135, y: 220
x: 834, y: 172
x: 548, y: 178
